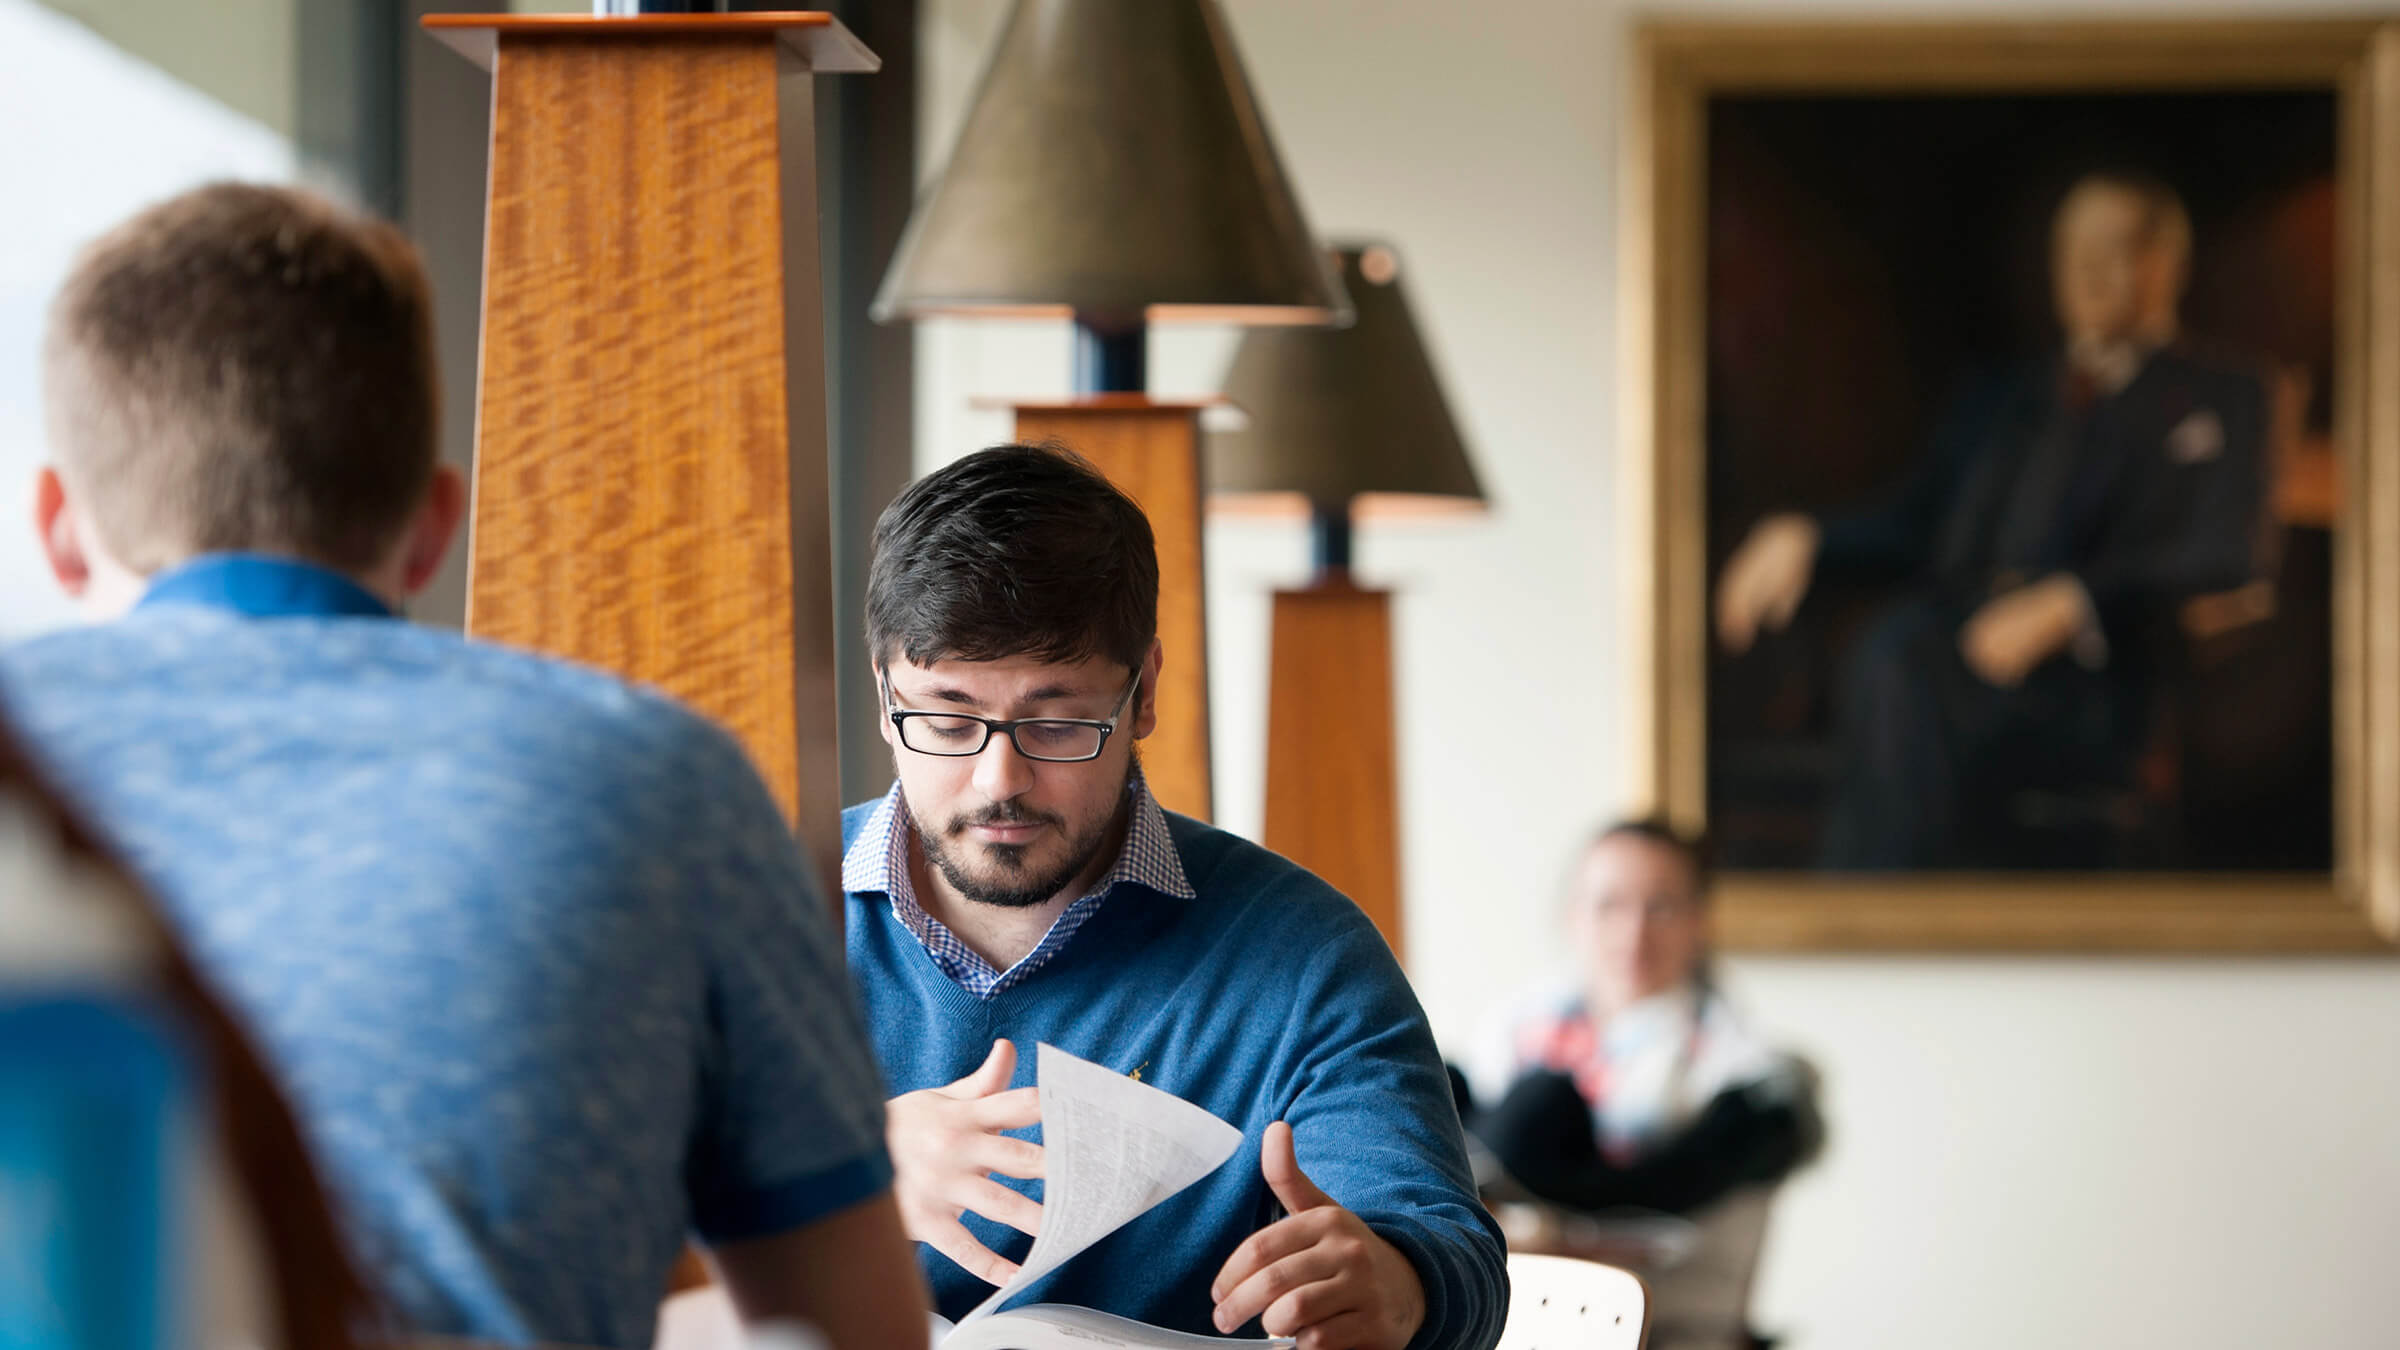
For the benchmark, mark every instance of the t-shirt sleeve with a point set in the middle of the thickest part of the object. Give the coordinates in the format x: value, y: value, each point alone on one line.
x: 1374, y: 1126
x: 790, y: 1126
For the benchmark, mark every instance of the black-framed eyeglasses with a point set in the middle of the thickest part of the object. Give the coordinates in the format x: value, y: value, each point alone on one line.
x: 1054, y: 740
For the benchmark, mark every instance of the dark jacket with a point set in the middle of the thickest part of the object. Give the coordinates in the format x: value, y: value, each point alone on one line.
x: 2149, y: 496
x: 1541, y: 1135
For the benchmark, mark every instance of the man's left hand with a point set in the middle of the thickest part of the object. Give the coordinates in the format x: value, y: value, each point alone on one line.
x: 2019, y: 630
x: 1320, y: 1275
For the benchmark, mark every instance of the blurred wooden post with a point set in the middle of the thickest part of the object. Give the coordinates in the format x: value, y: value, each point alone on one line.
x: 651, y: 490
x: 1151, y: 449
x: 1332, y: 780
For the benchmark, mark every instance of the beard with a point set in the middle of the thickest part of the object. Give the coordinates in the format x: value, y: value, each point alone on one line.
x: 1010, y: 878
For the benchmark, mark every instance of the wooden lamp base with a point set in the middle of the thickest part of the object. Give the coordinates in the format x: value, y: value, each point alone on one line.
x: 651, y: 491
x: 1332, y: 773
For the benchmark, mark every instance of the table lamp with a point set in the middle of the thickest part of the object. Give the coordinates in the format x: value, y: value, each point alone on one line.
x: 1115, y: 171
x: 1344, y: 424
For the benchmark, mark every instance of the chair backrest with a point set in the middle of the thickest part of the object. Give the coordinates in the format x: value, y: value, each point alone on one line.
x: 699, y: 1318
x: 1705, y: 1298
x: 1559, y: 1303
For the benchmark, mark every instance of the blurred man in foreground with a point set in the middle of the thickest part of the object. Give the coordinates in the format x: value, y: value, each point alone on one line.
x: 533, y: 950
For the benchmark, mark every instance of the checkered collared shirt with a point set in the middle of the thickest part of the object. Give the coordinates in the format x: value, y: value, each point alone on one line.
x: 877, y: 864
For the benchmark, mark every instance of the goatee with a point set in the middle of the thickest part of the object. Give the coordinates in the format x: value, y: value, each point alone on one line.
x: 1008, y: 879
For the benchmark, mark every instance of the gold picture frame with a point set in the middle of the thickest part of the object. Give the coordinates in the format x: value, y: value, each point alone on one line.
x: 1679, y: 67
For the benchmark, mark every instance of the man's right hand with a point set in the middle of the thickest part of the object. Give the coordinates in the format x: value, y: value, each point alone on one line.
x: 946, y: 1143
x: 1765, y: 579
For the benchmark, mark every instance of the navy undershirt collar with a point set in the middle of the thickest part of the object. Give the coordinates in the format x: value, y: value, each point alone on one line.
x: 263, y: 587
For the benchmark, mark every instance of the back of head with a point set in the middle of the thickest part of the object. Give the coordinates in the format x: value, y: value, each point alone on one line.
x: 1018, y: 550
x: 244, y: 368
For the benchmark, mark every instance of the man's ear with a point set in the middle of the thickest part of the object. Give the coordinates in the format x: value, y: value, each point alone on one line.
x: 62, y: 540
x: 430, y: 532
x: 883, y: 700
x: 1145, y: 714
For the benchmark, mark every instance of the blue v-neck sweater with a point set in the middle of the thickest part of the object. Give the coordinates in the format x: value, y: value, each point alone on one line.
x: 1268, y: 997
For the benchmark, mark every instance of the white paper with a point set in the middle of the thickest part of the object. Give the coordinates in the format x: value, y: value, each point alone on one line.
x: 1111, y: 1148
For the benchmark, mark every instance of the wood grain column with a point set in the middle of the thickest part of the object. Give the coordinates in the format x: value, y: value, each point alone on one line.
x: 650, y: 475
x: 1151, y: 449
x: 1333, y: 801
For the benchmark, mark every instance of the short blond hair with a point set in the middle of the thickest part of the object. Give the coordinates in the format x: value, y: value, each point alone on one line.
x: 244, y: 368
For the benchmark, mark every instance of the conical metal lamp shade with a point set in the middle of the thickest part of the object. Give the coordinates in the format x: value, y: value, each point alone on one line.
x: 1336, y: 414
x: 1114, y: 168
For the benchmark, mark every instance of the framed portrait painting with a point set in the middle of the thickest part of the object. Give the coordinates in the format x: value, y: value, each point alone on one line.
x: 2013, y: 445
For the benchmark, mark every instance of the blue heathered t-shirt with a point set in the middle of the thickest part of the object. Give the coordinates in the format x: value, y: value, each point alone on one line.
x: 1266, y: 996
x: 533, y: 950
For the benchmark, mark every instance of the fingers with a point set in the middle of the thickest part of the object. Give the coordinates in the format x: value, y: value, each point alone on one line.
x: 1326, y: 1272
x: 953, y: 1240
x: 1011, y: 1110
x: 1281, y: 1240
x: 989, y: 1077
x: 946, y: 1144
x: 1984, y: 645
x: 1755, y: 596
x: 1737, y: 611
x: 997, y: 1153
x: 1970, y: 650
x: 1735, y: 625
x: 1342, y: 1331
x: 930, y: 1132
x: 1284, y: 1177
x: 1262, y: 1249
x: 1766, y: 579
x: 1782, y: 605
x: 1279, y: 1288
x: 996, y: 1202
x: 1992, y: 666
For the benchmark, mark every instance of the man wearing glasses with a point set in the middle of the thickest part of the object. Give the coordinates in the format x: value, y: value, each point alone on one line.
x: 1019, y: 884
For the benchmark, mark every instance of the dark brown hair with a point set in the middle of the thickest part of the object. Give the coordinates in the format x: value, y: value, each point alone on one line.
x: 244, y: 368
x: 320, y: 1300
x: 1691, y: 846
x: 1019, y: 550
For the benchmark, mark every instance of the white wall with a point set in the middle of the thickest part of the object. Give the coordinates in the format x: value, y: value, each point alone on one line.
x: 2046, y: 1152
x: 238, y: 52
x: 131, y: 135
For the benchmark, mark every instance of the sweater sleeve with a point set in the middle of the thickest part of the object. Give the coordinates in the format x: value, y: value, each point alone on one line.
x: 1374, y: 1126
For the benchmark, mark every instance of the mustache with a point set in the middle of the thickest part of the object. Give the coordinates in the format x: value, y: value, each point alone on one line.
x: 1005, y: 813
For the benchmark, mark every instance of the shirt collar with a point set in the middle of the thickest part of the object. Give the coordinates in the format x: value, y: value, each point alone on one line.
x: 263, y: 587
x: 876, y: 863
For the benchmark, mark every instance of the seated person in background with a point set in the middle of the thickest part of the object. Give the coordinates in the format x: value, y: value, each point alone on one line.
x: 266, y: 1258
x: 1019, y: 884
x: 1639, y: 1086
x: 532, y: 950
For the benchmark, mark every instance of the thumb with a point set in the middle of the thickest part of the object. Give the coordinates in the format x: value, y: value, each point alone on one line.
x: 1282, y: 1169
x: 992, y: 1075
